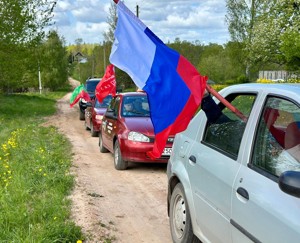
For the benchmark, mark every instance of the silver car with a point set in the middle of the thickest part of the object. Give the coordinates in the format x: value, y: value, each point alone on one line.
x: 239, y: 180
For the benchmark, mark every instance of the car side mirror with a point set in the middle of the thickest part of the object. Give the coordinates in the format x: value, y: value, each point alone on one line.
x: 289, y: 182
x: 110, y: 114
x: 89, y: 104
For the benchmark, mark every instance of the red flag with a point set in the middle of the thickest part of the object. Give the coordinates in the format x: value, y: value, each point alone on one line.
x: 107, y: 85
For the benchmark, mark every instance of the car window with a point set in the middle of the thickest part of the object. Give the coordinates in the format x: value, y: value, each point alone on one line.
x: 104, y: 103
x: 226, y: 134
x: 135, y: 106
x: 114, y: 105
x: 277, y: 143
x: 91, y: 85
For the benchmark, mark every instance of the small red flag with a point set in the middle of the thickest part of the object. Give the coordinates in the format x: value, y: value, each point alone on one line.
x: 79, y: 92
x: 107, y: 85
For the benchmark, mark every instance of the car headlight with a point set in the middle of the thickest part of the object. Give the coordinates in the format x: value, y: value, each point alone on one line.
x: 138, y: 137
x: 99, y: 117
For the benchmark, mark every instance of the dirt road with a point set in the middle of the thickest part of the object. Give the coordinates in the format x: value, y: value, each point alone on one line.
x: 112, y: 206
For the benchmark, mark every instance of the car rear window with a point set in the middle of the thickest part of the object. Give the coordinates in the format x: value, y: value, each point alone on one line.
x: 104, y: 103
x: 91, y: 85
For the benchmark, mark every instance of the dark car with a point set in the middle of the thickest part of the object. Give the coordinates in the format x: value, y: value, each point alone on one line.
x: 90, y: 85
x: 127, y: 131
x: 94, y: 114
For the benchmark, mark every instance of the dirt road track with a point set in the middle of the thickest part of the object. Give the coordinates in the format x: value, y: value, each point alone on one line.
x: 120, y: 206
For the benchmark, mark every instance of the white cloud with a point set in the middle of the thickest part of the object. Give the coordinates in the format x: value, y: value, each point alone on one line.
x: 169, y: 19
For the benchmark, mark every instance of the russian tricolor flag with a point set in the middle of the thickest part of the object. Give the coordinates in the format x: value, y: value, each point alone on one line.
x: 173, y: 85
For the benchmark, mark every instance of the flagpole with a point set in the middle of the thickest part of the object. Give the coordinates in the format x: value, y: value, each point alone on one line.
x: 225, y: 102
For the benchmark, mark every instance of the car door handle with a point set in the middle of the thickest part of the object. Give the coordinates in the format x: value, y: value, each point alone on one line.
x: 243, y: 192
x: 192, y: 158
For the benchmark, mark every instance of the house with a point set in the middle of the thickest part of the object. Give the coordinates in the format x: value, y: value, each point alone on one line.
x: 79, y: 57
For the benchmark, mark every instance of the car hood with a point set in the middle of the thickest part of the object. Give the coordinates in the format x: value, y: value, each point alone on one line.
x: 100, y: 111
x: 140, y: 124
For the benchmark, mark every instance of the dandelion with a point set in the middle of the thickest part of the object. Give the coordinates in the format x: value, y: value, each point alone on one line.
x: 79, y: 241
x: 45, y: 174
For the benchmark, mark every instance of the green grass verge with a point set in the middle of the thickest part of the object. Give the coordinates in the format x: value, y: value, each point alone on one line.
x: 34, y: 173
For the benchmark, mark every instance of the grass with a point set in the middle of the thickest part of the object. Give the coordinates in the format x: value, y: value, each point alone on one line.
x: 34, y: 173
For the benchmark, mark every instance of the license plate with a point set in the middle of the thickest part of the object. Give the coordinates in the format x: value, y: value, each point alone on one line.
x: 167, y: 151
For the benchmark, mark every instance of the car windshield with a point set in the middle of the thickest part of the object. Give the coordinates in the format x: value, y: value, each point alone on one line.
x: 104, y: 103
x: 135, y: 106
x: 91, y: 85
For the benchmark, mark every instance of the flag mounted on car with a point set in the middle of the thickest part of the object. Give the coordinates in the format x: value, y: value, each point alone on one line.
x: 173, y: 85
x: 107, y: 85
x: 79, y: 92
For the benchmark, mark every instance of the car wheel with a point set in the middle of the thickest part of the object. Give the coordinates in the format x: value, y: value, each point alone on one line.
x: 120, y: 164
x: 81, y: 115
x: 180, y: 219
x: 93, y: 132
x: 101, y: 147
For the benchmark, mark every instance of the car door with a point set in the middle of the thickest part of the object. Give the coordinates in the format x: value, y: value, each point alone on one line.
x: 212, y: 168
x: 109, y: 123
x: 262, y: 212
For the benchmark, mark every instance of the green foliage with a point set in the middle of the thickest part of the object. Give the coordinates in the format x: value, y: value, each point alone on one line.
x: 191, y: 51
x: 25, y: 107
x: 22, y: 21
x: 53, y: 61
x: 269, y: 31
x: 21, y: 36
x: 34, y: 174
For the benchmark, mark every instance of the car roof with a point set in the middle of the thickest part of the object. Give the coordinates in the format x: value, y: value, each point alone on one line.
x: 289, y: 89
x: 132, y: 94
x: 93, y: 80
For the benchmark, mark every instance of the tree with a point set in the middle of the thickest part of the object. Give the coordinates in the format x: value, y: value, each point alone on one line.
x: 268, y: 30
x: 112, y: 22
x: 241, y: 17
x: 276, y: 35
x: 23, y: 21
x: 21, y: 31
x: 54, y: 62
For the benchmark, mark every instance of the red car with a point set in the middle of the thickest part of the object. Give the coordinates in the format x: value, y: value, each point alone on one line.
x: 94, y: 114
x: 127, y: 131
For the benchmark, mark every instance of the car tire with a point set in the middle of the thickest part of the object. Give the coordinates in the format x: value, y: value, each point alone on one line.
x: 120, y: 164
x: 93, y: 132
x: 101, y: 147
x: 180, y: 219
x: 81, y: 115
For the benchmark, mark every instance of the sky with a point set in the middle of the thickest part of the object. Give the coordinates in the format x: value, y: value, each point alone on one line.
x: 190, y: 20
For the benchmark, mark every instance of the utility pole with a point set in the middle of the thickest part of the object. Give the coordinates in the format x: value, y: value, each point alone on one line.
x: 104, y: 57
x: 137, y: 10
x: 40, y: 81
x: 137, y: 15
